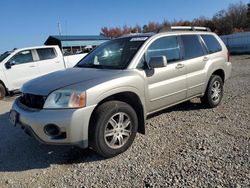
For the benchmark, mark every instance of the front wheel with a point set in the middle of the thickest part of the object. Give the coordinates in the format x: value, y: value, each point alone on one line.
x: 214, y: 92
x: 113, y: 128
x: 2, y: 91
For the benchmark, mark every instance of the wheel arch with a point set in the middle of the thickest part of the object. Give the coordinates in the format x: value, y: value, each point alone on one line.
x: 130, y: 98
x: 219, y: 72
x: 6, y: 89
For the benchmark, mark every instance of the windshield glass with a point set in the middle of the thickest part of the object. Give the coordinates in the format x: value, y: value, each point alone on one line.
x: 114, y: 54
x: 4, y: 55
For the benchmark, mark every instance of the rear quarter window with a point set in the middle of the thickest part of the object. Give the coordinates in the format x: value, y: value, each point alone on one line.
x: 192, y: 47
x: 46, y: 53
x: 212, y: 43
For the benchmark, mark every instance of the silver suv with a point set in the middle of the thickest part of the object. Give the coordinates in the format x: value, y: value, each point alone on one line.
x: 104, y: 100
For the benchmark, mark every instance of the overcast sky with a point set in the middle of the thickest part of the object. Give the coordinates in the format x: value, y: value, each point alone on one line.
x: 26, y: 23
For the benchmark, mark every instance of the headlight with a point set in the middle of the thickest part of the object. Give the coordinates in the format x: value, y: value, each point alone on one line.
x: 66, y: 99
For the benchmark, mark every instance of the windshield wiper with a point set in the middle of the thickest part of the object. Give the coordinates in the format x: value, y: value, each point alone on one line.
x: 98, y: 66
x: 91, y: 66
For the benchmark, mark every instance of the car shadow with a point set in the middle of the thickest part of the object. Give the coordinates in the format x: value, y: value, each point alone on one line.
x: 20, y: 152
x: 191, y: 105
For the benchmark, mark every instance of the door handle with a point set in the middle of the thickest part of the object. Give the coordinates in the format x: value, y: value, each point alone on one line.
x: 57, y: 62
x: 179, y: 66
x: 205, y: 58
x: 31, y: 66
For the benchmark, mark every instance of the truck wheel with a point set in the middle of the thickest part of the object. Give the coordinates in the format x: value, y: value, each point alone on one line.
x: 214, y: 92
x: 113, y: 128
x: 2, y: 91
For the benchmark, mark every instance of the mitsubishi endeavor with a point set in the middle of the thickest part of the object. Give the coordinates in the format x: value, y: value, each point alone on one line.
x: 104, y: 100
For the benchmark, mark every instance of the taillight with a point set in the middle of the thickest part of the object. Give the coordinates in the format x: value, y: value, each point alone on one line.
x: 228, y: 56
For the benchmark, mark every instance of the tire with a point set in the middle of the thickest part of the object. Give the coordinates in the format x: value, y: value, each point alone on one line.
x: 214, y: 92
x: 109, y: 137
x: 2, y: 91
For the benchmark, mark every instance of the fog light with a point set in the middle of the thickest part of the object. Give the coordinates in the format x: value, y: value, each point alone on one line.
x: 51, y: 130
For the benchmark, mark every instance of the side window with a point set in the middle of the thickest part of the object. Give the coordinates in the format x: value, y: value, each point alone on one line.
x: 165, y: 46
x: 142, y: 63
x: 46, y: 53
x: 191, y: 46
x: 22, y: 57
x: 212, y: 44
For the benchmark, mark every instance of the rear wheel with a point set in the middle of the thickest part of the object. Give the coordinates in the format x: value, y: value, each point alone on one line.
x: 2, y: 91
x: 214, y: 92
x: 113, y: 128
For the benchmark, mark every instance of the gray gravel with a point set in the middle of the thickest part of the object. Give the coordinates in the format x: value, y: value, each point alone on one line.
x: 185, y: 146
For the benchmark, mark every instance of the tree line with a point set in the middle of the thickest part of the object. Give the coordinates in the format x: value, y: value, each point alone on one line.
x: 236, y: 18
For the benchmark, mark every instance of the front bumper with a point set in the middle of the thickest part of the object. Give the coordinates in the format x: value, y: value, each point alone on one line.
x: 73, y: 123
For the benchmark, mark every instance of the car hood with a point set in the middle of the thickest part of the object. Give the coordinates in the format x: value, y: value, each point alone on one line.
x: 44, y: 85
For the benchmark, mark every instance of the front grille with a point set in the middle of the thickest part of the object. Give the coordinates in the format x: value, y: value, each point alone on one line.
x: 32, y: 101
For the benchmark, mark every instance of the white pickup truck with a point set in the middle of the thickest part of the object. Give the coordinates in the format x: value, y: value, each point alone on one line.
x: 21, y: 65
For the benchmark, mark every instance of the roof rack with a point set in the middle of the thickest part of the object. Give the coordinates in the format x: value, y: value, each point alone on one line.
x: 130, y: 34
x: 136, y: 34
x: 190, y: 28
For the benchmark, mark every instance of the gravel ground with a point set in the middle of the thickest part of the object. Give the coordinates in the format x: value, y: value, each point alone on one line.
x: 185, y: 146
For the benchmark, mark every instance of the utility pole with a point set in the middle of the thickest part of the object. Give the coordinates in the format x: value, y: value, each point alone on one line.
x: 59, y: 28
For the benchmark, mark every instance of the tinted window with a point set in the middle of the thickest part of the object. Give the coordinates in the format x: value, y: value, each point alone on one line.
x: 212, y: 44
x: 46, y: 53
x: 192, y: 46
x: 22, y: 57
x: 165, y: 46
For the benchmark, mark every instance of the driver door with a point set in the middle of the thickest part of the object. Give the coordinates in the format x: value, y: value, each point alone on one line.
x: 166, y: 85
x: 23, y: 68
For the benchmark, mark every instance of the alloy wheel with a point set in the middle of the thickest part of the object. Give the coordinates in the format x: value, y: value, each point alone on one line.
x: 118, y: 130
x: 216, y: 91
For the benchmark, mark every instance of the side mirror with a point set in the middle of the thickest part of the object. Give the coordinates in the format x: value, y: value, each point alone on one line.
x: 158, y: 62
x: 8, y: 65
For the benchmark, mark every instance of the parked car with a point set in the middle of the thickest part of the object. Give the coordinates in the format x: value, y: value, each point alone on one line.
x: 21, y: 65
x: 104, y: 100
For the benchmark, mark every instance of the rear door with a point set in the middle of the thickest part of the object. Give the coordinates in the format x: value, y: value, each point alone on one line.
x: 195, y: 59
x: 49, y: 60
x: 23, y: 68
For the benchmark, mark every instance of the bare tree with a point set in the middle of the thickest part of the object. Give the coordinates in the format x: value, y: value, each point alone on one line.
x: 237, y: 13
x: 236, y: 18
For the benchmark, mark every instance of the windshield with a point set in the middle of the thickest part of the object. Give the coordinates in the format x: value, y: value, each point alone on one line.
x: 114, y: 54
x: 4, y: 55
